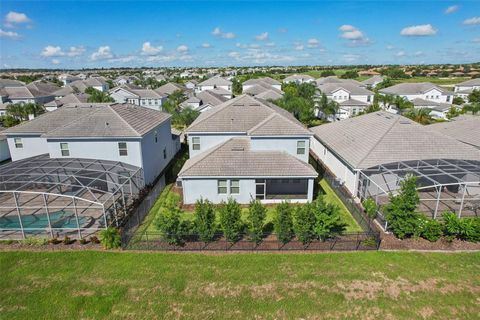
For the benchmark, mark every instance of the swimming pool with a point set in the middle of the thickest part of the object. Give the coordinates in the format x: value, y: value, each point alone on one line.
x: 58, y: 219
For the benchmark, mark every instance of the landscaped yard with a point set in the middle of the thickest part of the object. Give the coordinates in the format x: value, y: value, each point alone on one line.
x: 168, y: 196
x: 128, y: 285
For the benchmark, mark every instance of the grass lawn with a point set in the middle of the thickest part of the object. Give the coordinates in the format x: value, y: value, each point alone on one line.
x: 167, y: 196
x: 129, y: 285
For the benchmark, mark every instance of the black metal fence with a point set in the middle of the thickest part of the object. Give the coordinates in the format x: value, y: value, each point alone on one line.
x: 192, y: 242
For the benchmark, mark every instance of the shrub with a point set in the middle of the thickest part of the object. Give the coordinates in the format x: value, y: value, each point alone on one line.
x: 304, y: 223
x: 230, y: 219
x: 205, y: 220
x: 432, y: 230
x: 168, y: 222
x: 462, y: 228
x: 255, y: 220
x: 328, y: 220
x: 110, y: 238
x: 370, y: 207
x: 94, y: 239
x: 283, y: 223
x: 33, y: 241
x: 55, y: 241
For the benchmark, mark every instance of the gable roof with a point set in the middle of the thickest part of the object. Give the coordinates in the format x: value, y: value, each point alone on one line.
x: 471, y: 82
x: 265, y: 80
x: 353, y: 89
x: 169, y: 88
x: 381, y: 137
x: 463, y: 128
x: 373, y: 80
x: 234, y: 158
x: 93, y: 120
x: 216, y: 81
x: 335, y: 79
x: 270, y: 95
x: 210, y: 97
x: 412, y: 88
x: 242, y: 114
x: 302, y: 77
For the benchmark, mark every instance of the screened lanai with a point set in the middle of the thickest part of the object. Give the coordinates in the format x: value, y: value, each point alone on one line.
x: 443, y: 185
x: 41, y: 196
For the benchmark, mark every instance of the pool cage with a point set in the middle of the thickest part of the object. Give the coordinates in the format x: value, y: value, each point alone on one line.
x: 443, y: 185
x: 41, y: 196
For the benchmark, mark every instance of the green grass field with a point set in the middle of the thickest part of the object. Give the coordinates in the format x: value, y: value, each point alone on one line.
x: 167, y: 196
x: 128, y: 285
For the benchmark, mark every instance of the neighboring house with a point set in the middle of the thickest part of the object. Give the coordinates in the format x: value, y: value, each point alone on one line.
x: 117, y: 132
x: 204, y: 101
x: 4, y: 151
x: 464, y: 128
x: 423, y: 90
x: 31, y: 93
x: 10, y: 83
x: 380, y: 138
x: 336, y: 80
x: 169, y: 88
x: 372, y: 82
x: 70, y: 98
x: 351, y: 98
x: 299, y: 79
x: 96, y: 83
x: 141, y: 97
x: 191, y: 84
x: 262, y: 89
x: 266, y: 82
x: 247, y: 148
x: 215, y: 82
x: 438, y: 110
x: 68, y: 78
x: 3, y: 109
x: 463, y: 89
x: 122, y: 80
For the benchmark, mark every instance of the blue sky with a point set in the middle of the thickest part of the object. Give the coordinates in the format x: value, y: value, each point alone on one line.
x: 77, y: 34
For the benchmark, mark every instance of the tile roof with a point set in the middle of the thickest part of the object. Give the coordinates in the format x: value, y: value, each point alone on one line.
x: 234, y: 158
x: 381, y: 137
x: 169, y: 88
x: 373, y: 80
x: 210, y: 97
x: 413, y: 88
x: 464, y: 128
x: 335, y: 79
x: 353, y: 89
x: 471, y: 82
x: 216, y: 81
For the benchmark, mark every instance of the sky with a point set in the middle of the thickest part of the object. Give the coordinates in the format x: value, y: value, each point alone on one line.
x: 87, y: 34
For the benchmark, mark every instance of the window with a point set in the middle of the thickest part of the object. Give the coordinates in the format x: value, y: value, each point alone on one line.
x: 122, y: 149
x: 18, y: 143
x: 300, y: 147
x: 164, y: 153
x: 195, y: 143
x: 64, y: 149
x: 368, y: 98
x: 222, y: 186
x: 234, y: 186
x: 156, y: 136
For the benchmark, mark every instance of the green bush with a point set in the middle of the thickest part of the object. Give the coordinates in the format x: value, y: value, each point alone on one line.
x: 110, y: 238
x: 168, y: 222
x: 462, y: 228
x: 432, y: 230
x: 328, y: 220
x: 34, y: 241
x: 370, y: 207
x: 255, y: 220
x: 205, y: 220
x: 283, y: 223
x: 304, y: 222
x: 230, y: 219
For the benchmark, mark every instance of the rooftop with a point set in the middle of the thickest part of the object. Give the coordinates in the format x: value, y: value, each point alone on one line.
x: 463, y: 128
x: 413, y: 88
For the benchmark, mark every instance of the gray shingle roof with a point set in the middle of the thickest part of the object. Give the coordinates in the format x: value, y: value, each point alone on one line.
x: 412, y: 88
x: 353, y: 103
x: 211, y: 98
x: 270, y: 95
x: 372, y: 80
x: 169, y: 88
x: 266, y: 80
x: 216, y: 81
x: 471, y: 82
x: 335, y: 79
x: 352, y: 88
x: 234, y: 158
x: 244, y: 113
x: 93, y: 120
x: 381, y: 137
x: 296, y: 77
x: 464, y: 128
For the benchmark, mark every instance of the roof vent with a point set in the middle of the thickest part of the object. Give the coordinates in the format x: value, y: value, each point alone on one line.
x: 106, y: 124
x: 404, y: 122
x: 238, y: 149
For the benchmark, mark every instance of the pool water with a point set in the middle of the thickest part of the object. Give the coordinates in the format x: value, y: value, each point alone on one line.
x: 58, y: 219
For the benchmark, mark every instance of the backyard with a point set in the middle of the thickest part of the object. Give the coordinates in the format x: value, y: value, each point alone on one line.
x: 132, y: 285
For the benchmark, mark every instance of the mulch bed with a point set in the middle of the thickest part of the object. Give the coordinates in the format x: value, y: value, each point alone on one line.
x: 390, y: 242
x: 75, y: 246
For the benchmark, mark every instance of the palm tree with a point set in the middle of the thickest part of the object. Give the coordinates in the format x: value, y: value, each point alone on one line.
x: 34, y: 109
x: 420, y: 115
x: 327, y: 107
x: 17, y: 111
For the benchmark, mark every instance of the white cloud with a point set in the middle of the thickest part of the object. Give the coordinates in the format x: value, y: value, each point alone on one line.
x: 13, y: 18
x: 472, y: 21
x: 270, y: 44
x: 103, y: 52
x: 390, y: 47
x: 299, y: 47
x: 451, y: 9
x: 9, y: 34
x: 418, y: 54
x: 206, y: 45
x: 313, y: 43
x: 56, y: 61
x: 476, y: 40
x: 149, y: 50
x: 354, y: 35
x: 182, y: 48
x: 400, y: 54
x: 260, y: 56
x: 234, y: 54
x: 122, y: 59
x: 418, y: 31
x: 217, y: 32
x: 51, y: 51
x: 350, y: 57
x: 75, y: 51
x: 262, y: 36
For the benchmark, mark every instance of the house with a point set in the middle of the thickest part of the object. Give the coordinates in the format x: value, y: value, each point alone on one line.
x: 463, y: 89
x: 438, y: 110
x: 191, y: 84
x: 215, y: 82
x: 70, y: 98
x: 352, y: 99
x: 345, y: 148
x: 336, y: 80
x: 10, y: 83
x: 464, y: 128
x: 373, y: 81
x: 68, y: 78
x: 422, y: 90
x: 247, y: 148
x: 122, y: 80
x: 266, y: 82
x: 169, y: 88
x: 126, y: 133
x: 4, y: 151
x: 204, y: 101
x: 141, y: 97
x: 96, y: 83
x: 32, y: 93
x: 299, y: 79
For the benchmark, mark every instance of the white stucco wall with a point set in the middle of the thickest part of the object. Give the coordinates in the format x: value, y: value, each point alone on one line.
x: 32, y: 146
x: 287, y: 144
x: 4, y: 151
x: 208, y: 141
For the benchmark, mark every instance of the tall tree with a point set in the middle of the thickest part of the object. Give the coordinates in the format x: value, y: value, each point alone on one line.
x: 420, y: 115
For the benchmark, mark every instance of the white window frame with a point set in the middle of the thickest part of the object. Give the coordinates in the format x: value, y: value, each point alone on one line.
x: 220, y: 185
x: 122, y: 149
x: 236, y: 188
x: 299, y: 147
x: 64, y: 150
x: 18, y: 143
x: 194, y: 144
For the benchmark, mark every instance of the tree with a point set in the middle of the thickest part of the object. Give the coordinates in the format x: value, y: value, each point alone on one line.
x: 420, y: 115
x: 230, y: 219
x: 34, y: 109
x: 97, y: 96
x: 205, y: 220
x: 327, y: 73
x: 327, y: 107
x: 237, y: 87
x: 304, y: 223
x: 370, y: 207
x: 8, y: 121
x: 401, y: 210
x: 387, y: 82
x: 283, y: 223
x: 474, y: 108
x: 328, y: 219
x: 394, y: 73
x: 184, y: 117
x: 453, y: 112
x: 350, y: 74
x: 458, y: 101
x: 168, y: 222
x: 255, y: 220
x: 474, y: 97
